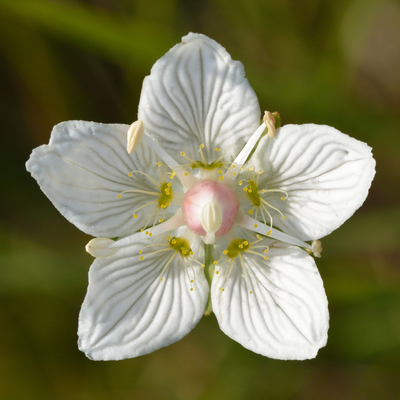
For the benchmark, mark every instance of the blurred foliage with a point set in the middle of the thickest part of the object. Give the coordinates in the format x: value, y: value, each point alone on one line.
x: 333, y: 62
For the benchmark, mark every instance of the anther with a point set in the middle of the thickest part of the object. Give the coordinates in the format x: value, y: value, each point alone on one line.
x: 269, y: 121
x: 100, y: 247
x: 134, y: 136
x: 316, y: 248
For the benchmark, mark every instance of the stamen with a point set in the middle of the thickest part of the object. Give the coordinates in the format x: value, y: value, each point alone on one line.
x: 316, y: 248
x: 101, y: 247
x: 247, y: 222
x: 245, y: 152
x: 187, y: 182
x: 269, y: 121
x: 202, y: 155
x: 134, y: 136
x: 175, y: 222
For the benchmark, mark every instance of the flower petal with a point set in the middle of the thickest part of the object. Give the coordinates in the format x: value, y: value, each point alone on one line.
x: 326, y: 174
x: 286, y: 316
x: 84, y: 168
x: 128, y: 312
x: 197, y: 94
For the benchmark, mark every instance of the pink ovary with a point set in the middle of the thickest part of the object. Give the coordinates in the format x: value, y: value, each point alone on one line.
x: 202, y: 193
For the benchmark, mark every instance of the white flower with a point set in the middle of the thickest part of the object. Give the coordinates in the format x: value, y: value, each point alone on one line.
x: 190, y: 180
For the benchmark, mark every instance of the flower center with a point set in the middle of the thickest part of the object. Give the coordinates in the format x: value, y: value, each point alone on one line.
x: 209, y: 209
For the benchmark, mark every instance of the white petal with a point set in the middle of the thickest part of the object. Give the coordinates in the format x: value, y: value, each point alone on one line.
x: 84, y: 168
x: 326, y: 174
x: 128, y: 312
x: 286, y: 316
x: 197, y: 94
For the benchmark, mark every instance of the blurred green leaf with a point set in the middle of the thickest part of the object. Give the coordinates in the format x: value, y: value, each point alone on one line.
x: 123, y: 39
x: 27, y: 267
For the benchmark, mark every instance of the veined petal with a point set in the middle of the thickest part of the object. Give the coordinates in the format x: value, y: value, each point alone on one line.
x: 325, y: 173
x: 197, y: 94
x: 129, y: 312
x: 286, y: 315
x: 84, y: 168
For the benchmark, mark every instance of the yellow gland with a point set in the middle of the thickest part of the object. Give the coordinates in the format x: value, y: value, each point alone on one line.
x: 173, y: 247
x: 260, y: 205
x: 236, y: 247
x: 206, y: 167
x: 235, y: 250
x: 181, y: 246
x: 162, y: 194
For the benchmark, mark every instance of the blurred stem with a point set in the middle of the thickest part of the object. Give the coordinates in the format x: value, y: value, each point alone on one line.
x: 209, y: 272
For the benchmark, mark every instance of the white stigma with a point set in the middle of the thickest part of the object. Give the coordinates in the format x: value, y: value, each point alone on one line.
x: 211, y: 220
x: 134, y: 136
x: 209, y: 209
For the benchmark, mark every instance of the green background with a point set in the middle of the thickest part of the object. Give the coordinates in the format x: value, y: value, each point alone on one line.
x: 331, y: 62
